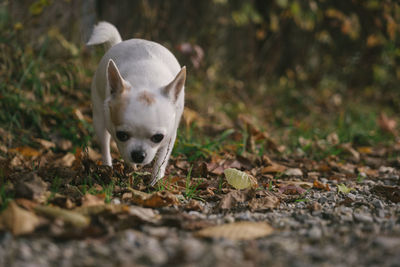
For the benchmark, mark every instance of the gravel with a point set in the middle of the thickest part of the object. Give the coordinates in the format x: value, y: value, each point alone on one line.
x: 329, y: 228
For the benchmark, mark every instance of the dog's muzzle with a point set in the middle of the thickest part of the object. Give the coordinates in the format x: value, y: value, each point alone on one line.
x: 138, y: 156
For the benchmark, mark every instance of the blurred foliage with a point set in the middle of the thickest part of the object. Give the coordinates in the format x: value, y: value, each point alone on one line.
x: 289, y: 63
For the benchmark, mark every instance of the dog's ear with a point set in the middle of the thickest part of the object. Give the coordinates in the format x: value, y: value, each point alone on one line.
x: 115, y: 80
x: 174, y: 88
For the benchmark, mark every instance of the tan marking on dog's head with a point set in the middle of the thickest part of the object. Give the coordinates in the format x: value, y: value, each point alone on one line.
x: 146, y: 98
x: 117, y: 109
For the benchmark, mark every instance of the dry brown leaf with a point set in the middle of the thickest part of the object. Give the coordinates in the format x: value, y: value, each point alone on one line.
x: 64, y: 144
x: 317, y: 184
x: 66, y: 161
x: 294, y: 187
x: 387, y: 124
x: 273, y: 168
x: 266, y: 201
x: 154, y: 200
x: 193, y: 205
x: 93, y: 155
x: 45, y: 143
x: 190, y: 116
x: 231, y: 199
x: 92, y: 200
x: 30, y: 186
x: 18, y: 220
x: 237, y: 231
x: 25, y: 151
x: 347, y: 148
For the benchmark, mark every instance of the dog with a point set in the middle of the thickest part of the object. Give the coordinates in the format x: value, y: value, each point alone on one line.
x: 138, y: 99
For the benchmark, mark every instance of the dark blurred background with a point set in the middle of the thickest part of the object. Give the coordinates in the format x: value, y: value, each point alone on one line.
x: 278, y: 60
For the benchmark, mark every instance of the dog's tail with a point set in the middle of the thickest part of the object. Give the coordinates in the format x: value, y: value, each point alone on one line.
x: 104, y: 33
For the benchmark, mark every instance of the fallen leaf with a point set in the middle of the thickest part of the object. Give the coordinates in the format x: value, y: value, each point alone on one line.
x: 193, y: 205
x: 45, y: 143
x: 347, y: 148
x: 92, y: 200
x: 30, y: 186
x: 237, y: 231
x: 64, y: 144
x: 18, y: 220
x: 66, y: 161
x: 70, y: 217
x: 293, y: 172
x: 190, y: 116
x: 154, y: 200
x: 333, y: 139
x: 93, y: 155
x: 344, y: 189
x: 387, y: 124
x: 239, y: 179
x: 365, y: 150
x: 317, y: 184
x: 291, y: 189
x: 103, y: 208
x: 273, y: 168
x: 231, y: 199
x: 266, y: 201
x: 25, y: 151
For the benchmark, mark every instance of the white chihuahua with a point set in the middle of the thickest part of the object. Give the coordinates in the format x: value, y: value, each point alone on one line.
x: 138, y: 99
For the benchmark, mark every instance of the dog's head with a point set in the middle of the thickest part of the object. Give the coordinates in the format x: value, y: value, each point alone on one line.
x: 141, y: 120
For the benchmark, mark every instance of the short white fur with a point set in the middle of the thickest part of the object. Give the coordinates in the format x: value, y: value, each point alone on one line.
x: 136, y: 67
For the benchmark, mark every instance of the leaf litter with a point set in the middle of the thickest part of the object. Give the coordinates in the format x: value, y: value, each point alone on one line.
x: 69, y: 195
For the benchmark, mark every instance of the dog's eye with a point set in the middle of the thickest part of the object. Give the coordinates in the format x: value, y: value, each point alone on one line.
x: 157, y: 138
x: 122, y: 136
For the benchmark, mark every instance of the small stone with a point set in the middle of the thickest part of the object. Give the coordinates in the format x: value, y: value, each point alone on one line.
x: 293, y: 172
x: 315, y: 233
x: 116, y: 201
x: 363, y: 217
x: 351, y: 196
x: 384, y: 169
x: 229, y: 219
x: 378, y: 204
x: 381, y: 213
x: 322, y: 200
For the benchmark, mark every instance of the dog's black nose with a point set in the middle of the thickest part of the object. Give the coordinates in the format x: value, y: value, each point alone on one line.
x: 138, y: 156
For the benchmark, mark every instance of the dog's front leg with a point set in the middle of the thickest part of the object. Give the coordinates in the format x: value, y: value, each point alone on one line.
x: 104, y: 139
x: 162, y: 160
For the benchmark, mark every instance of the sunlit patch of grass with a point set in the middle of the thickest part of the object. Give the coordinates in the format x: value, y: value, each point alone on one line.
x: 190, y: 188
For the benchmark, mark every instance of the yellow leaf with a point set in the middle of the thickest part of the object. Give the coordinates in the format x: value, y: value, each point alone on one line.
x: 239, y: 179
x: 344, y: 189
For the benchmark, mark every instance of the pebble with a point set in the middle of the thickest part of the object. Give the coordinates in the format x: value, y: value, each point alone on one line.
x: 378, y: 204
x: 363, y: 217
x: 384, y: 169
x: 293, y: 172
x: 315, y: 233
x: 116, y: 201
